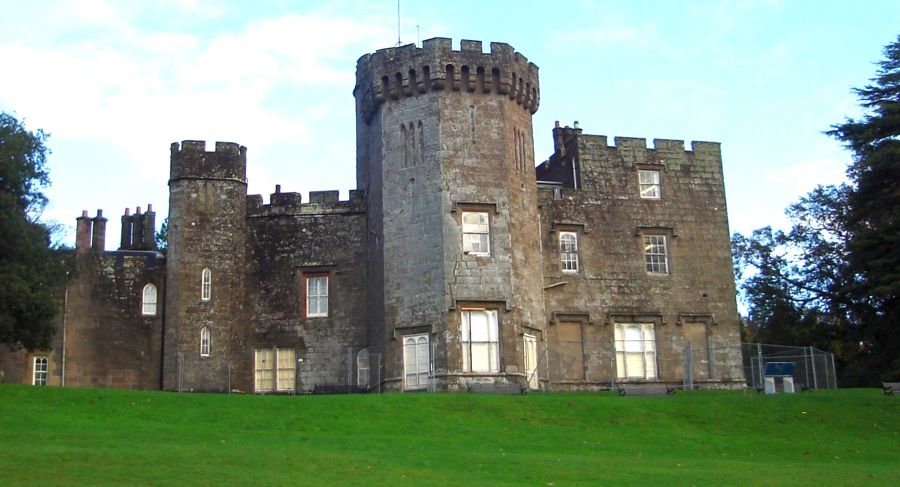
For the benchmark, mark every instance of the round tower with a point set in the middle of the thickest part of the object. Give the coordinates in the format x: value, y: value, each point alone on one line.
x: 445, y: 153
x: 204, y: 267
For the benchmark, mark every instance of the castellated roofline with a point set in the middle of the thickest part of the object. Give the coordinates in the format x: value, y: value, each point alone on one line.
x: 190, y: 160
x: 291, y: 203
x: 406, y: 71
x: 697, y: 146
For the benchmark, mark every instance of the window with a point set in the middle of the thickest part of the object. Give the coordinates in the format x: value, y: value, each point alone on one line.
x: 148, y: 302
x: 40, y: 371
x: 206, y: 285
x: 362, y: 368
x: 568, y: 251
x: 416, y: 361
x: 649, y: 182
x: 481, y: 346
x: 530, y: 349
x: 276, y: 369
x: 316, y: 296
x: 286, y: 369
x: 567, y: 361
x: 204, y: 342
x: 476, y: 233
x: 635, y: 351
x: 655, y: 255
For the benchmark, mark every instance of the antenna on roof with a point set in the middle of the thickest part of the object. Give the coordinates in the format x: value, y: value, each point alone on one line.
x: 418, y: 36
x: 398, y: 23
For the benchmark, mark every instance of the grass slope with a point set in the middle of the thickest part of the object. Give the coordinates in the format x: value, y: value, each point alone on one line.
x: 51, y: 436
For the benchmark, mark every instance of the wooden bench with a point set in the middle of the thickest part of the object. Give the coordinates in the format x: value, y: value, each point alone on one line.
x: 495, y: 388
x: 647, y: 390
x: 338, y: 389
x: 890, y: 388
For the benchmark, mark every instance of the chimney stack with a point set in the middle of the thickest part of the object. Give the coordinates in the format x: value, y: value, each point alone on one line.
x: 149, y: 228
x: 98, y: 233
x: 83, y: 234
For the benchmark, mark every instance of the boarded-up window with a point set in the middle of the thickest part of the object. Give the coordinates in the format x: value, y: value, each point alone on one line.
x: 569, y: 355
x: 696, y: 334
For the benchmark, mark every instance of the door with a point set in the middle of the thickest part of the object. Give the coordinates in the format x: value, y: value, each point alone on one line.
x: 531, y: 361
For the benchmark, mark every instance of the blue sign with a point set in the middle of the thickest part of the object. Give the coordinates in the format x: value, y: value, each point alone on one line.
x: 779, y: 369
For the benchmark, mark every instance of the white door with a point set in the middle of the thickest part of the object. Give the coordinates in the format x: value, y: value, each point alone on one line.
x: 531, y: 361
x: 416, y: 362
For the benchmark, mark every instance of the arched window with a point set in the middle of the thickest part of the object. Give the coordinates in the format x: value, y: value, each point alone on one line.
x: 204, y: 342
x: 148, y: 301
x: 40, y: 371
x: 362, y: 367
x: 206, y: 285
x: 568, y: 251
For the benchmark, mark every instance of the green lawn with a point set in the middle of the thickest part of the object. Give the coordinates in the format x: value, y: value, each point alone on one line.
x: 51, y: 436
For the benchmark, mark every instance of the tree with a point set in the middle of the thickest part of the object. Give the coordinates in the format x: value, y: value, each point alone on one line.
x: 873, y: 217
x: 162, y: 236
x: 31, y: 271
x: 794, y: 282
x: 832, y: 281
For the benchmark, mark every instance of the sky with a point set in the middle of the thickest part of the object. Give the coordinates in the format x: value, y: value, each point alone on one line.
x: 116, y: 82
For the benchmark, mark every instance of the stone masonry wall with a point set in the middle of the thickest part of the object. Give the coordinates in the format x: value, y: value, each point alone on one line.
x: 109, y: 342
x: 612, y: 284
x: 287, y: 241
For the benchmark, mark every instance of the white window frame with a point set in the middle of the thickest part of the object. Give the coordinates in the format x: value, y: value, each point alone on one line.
x: 529, y: 348
x: 656, y: 254
x: 416, y: 362
x: 149, y: 300
x: 362, y: 367
x: 264, y: 366
x: 205, y: 342
x: 275, y: 370
x: 286, y: 371
x: 648, y: 180
x: 480, y: 347
x: 476, y: 232
x: 568, y: 251
x: 206, y: 284
x: 635, y: 351
x: 317, y: 295
x: 39, y: 371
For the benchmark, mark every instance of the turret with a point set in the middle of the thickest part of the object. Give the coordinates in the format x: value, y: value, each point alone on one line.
x: 445, y: 153
x: 205, y: 266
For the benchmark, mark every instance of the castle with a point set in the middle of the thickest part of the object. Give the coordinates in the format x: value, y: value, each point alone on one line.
x: 457, y: 261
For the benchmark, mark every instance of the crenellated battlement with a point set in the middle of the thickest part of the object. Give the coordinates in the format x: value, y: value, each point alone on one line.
x: 565, y: 166
x: 291, y: 203
x: 407, y: 71
x: 191, y: 160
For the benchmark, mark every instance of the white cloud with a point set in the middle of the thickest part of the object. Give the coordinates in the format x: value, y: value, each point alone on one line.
x: 117, y: 82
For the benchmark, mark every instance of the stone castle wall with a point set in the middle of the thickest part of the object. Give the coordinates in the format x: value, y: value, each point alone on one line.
x: 612, y: 284
x: 440, y: 132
